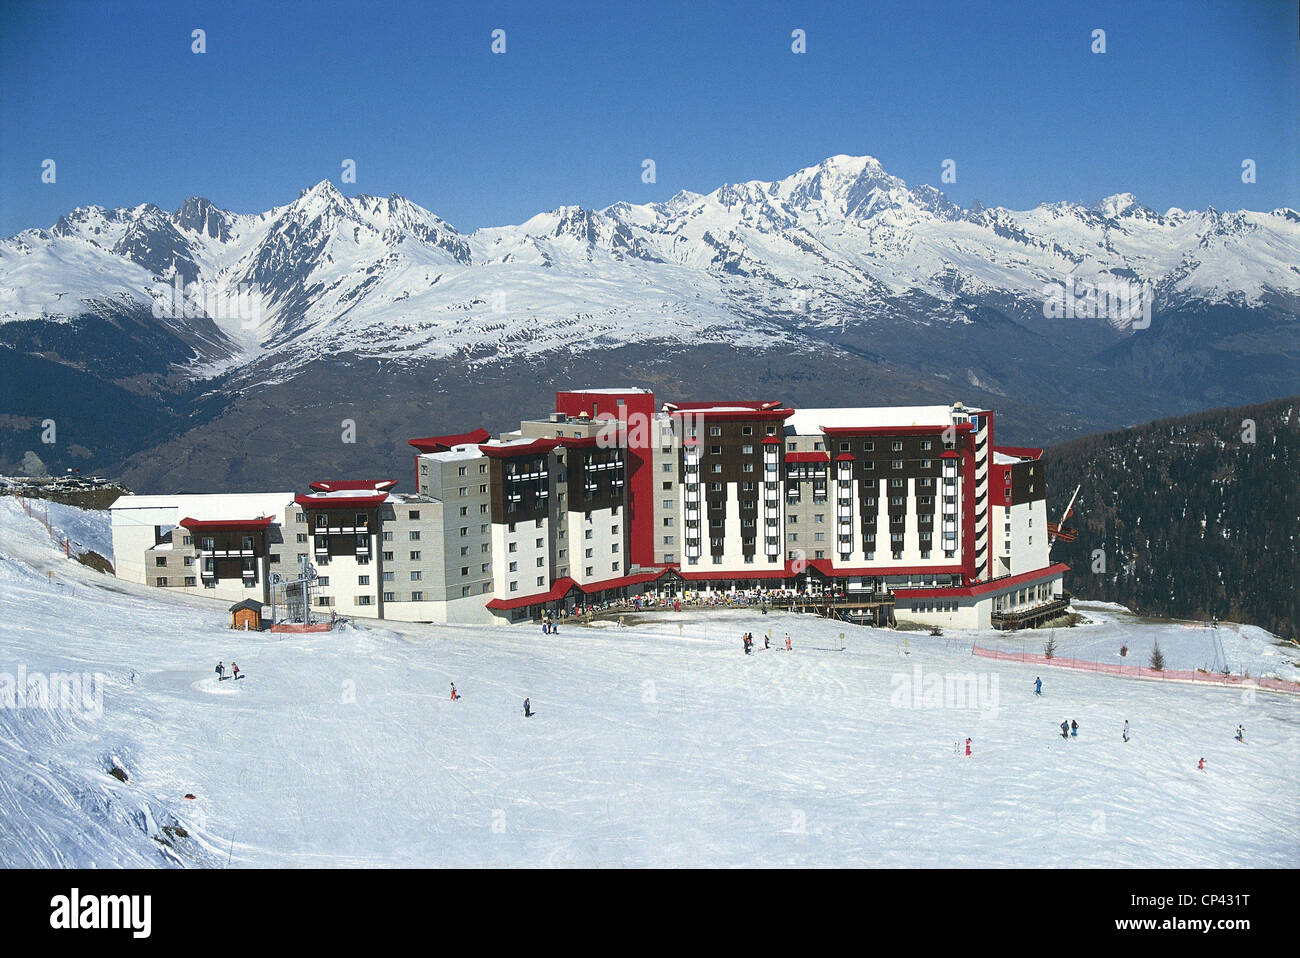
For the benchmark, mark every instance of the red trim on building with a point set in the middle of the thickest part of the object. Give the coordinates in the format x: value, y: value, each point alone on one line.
x: 950, y: 454
x: 341, y: 502
x: 639, y: 437
x: 844, y: 457
x: 772, y: 441
x: 984, y: 588
x: 510, y: 451
x: 968, y: 509
x: 807, y: 457
x: 894, y: 430
x: 756, y: 405
x: 226, y: 525
x: 443, y: 443
x: 726, y: 412
x: 558, y: 590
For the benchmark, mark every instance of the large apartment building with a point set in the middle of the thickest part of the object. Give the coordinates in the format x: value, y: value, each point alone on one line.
x: 614, y: 493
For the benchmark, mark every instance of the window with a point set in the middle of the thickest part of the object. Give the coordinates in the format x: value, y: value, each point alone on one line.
x: 464, y: 570
x: 717, y: 467
x: 897, y: 464
x: 363, y: 600
x: 463, y: 491
x: 415, y: 555
x: 747, y: 430
x: 417, y: 596
x: 390, y: 576
x: 513, y: 567
x: 896, y: 445
x: 667, y: 467
x: 160, y: 580
x: 416, y: 576
x: 715, y: 430
x: 464, y: 531
x: 302, y: 537
x: 160, y: 561
x: 747, y: 450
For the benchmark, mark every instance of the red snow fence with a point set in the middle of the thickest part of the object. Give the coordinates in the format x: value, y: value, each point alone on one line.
x: 299, y: 627
x: 1140, y: 672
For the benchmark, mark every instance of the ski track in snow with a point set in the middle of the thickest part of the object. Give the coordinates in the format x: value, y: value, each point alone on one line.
x: 646, y: 749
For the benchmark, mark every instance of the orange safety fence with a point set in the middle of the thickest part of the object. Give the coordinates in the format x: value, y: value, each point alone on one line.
x: 1140, y: 672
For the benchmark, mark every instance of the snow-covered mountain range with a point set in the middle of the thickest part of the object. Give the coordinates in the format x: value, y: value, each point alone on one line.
x: 836, y: 243
x: 837, y: 260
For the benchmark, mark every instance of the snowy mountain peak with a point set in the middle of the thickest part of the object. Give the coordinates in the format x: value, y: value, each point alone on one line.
x: 1117, y: 205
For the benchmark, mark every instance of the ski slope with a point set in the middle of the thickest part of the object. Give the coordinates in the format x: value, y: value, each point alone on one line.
x: 658, y: 745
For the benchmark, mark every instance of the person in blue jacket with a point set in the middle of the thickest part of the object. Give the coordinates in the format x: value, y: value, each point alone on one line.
x: 1038, y: 686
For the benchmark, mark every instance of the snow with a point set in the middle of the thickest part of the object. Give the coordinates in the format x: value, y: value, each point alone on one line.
x: 806, y: 422
x: 661, y: 744
x: 753, y: 262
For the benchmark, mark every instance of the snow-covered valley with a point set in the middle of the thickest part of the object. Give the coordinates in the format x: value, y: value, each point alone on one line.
x: 658, y: 745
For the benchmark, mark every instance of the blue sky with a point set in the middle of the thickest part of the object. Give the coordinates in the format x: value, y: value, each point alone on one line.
x: 586, y: 91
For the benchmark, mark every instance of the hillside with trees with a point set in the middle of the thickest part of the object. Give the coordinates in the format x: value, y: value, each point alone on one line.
x: 1193, y: 517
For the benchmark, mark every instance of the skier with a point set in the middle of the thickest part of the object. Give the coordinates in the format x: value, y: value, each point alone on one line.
x: 767, y: 640
x: 1065, y: 730
x: 744, y: 640
x: 968, y: 748
x: 528, y: 709
x: 1241, y: 734
x: 221, y: 671
x: 455, y: 696
x: 1074, y: 728
x: 1126, y: 730
x: 1038, y: 686
x: 787, y: 643
x: 234, y: 669
x: 1201, y: 764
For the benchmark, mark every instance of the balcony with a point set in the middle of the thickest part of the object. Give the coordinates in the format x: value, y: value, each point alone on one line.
x: 1031, y: 618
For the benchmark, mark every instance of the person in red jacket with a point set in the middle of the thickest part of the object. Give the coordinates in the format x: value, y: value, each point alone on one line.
x: 455, y: 696
x: 968, y: 748
x: 234, y: 668
x: 1201, y: 764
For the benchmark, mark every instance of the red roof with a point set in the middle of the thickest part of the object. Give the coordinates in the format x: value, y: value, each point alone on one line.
x: 443, y: 443
x: 621, y: 581
x: 950, y: 454
x: 807, y: 457
x: 558, y: 590
x: 218, y: 525
x: 844, y: 457
x: 362, y: 485
x: 563, y: 587
x: 723, y: 411
x: 772, y: 440
x: 323, y: 501
x: 511, y: 450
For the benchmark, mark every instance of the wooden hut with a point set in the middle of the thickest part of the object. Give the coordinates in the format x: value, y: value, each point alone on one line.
x: 246, y: 615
